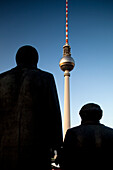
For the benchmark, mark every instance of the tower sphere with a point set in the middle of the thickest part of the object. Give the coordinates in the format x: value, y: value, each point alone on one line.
x: 67, y: 63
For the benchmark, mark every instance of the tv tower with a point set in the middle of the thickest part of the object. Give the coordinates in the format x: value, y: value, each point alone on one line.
x: 66, y: 64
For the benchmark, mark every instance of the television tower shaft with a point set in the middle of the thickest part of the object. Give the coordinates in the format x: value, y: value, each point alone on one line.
x: 66, y: 64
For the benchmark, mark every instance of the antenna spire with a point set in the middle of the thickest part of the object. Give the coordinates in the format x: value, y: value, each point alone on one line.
x: 66, y: 22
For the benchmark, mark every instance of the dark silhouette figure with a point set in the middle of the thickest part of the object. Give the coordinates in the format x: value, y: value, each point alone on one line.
x: 90, y: 145
x: 30, y: 117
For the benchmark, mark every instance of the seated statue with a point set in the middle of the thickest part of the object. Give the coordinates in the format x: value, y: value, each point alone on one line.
x: 89, y: 145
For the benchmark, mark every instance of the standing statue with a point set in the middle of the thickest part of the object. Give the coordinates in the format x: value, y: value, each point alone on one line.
x: 30, y: 117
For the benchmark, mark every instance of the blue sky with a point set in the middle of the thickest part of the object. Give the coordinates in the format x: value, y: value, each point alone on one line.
x: 41, y: 23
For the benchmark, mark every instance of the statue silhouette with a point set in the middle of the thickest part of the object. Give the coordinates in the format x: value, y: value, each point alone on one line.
x: 30, y: 117
x: 90, y: 145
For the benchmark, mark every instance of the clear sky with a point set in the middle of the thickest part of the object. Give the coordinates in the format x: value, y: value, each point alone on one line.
x: 41, y: 23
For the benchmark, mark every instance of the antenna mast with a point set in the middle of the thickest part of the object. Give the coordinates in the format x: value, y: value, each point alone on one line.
x: 66, y: 22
